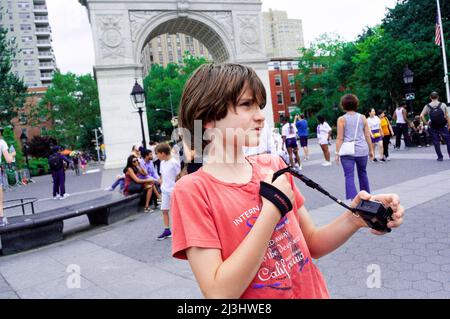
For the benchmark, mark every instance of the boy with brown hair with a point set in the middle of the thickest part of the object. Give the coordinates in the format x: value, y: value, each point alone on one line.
x: 170, y: 168
x: 241, y: 244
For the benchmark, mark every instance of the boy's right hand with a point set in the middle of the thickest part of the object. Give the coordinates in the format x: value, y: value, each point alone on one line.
x: 282, y: 183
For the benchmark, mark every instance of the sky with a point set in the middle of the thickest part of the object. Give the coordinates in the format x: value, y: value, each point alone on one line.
x: 74, y: 50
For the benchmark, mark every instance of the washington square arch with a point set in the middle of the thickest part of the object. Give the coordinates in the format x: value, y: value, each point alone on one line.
x: 231, y: 30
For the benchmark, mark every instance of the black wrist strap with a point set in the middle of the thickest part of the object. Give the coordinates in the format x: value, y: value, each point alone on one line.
x: 276, y: 197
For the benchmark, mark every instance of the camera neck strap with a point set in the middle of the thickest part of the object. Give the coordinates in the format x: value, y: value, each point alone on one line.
x: 312, y: 184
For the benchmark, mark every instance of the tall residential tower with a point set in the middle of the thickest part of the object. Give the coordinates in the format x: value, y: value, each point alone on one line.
x: 27, y: 22
x: 283, y: 36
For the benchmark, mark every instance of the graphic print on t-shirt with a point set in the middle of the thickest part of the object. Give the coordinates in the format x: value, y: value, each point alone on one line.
x: 282, y: 257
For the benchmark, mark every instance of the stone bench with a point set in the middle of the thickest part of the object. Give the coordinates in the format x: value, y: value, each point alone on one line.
x: 31, y: 231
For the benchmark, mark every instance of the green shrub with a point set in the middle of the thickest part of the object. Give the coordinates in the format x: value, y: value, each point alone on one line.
x: 39, y: 166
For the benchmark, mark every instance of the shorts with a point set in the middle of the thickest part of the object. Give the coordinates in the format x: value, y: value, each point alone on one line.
x: 291, y: 143
x: 165, y: 201
x: 376, y: 139
x: 323, y: 141
x: 303, y: 141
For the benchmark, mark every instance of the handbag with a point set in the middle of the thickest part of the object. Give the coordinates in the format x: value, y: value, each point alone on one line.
x: 134, y: 187
x: 348, y: 148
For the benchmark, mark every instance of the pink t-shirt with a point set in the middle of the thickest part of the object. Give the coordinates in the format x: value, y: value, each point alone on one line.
x: 209, y: 213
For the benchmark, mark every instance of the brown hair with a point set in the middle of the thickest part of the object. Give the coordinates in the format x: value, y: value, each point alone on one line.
x: 349, y: 102
x: 163, y: 148
x: 434, y: 95
x: 212, y: 90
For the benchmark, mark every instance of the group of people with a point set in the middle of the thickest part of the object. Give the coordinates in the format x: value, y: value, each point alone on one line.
x: 151, y: 172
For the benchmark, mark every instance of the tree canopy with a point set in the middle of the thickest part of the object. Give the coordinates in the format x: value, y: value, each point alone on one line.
x: 163, y: 87
x: 12, y: 89
x: 372, y: 66
x: 72, y: 103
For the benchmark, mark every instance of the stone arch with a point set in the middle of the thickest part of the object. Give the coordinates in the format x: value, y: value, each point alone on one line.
x: 213, y: 29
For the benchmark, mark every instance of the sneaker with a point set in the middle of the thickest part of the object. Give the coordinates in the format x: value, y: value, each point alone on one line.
x: 375, y: 160
x: 3, y: 221
x: 56, y: 197
x: 383, y: 160
x: 148, y: 210
x: 64, y: 196
x: 428, y: 145
x: 326, y: 164
x: 440, y: 159
x: 109, y: 189
x: 419, y: 146
x: 165, y: 234
x: 388, y: 159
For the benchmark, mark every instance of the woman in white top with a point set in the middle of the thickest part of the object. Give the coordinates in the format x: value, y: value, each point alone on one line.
x: 376, y: 134
x: 289, y: 135
x: 324, y: 135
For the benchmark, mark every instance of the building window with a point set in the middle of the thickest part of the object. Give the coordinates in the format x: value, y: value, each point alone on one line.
x: 23, y: 5
x: 277, y: 80
x: 11, y: 27
x: 289, y: 65
x: 280, y: 98
x: 22, y: 119
x: 27, y: 39
x: 276, y: 66
x: 293, y: 97
x: 281, y: 114
x: 24, y: 15
x: 25, y: 27
x: 291, y: 79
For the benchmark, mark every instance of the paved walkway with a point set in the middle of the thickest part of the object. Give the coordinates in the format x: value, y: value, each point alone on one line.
x: 125, y: 261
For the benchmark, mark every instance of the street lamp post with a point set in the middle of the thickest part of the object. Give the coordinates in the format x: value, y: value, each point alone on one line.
x: 408, y: 79
x: 24, y: 140
x: 138, y: 98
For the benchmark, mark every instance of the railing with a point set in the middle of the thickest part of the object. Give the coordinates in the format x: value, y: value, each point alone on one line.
x: 23, y: 201
x: 43, y: 42
x: 39, y: 18
x: 40, y: 7
x: 44, y: 64
x: 45, y: 54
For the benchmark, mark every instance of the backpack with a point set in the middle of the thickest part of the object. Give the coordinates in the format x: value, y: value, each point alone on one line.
x: 55, y: 162
x: 437, y: 117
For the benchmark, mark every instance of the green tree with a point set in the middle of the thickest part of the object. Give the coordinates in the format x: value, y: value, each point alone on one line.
x: 12, y: 89
x: 72, y: 103
x: 163, y: 87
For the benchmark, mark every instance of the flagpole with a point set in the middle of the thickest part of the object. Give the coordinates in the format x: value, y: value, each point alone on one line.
x: 444, y: 54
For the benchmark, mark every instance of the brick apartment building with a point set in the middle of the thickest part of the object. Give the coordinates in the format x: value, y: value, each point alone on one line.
x: 22, y: 123
x: 286, y: 94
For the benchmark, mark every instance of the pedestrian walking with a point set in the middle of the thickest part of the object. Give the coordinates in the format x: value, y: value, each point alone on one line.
x: 353, y: 145
x: 388, y: 132
x: 302, y: 130
x: 56, y: 164
x: 401, y: 125
x: 324, y: 135
x: 245, y: 235
x: 9, y: 157
x: 376, y: 135
x: 76, y: 164
x: 439, y: 123
x: 170, y: 168
x: 289, y: 135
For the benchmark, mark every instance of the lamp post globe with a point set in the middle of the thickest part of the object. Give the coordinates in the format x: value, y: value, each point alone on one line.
x: 138, y: 99
x: 408, y: 79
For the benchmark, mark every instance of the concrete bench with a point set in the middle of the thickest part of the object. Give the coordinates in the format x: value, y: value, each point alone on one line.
x: 31, y: 231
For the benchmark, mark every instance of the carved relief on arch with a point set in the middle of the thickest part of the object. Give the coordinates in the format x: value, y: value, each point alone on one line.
x: 249, y: 36
x: 138, y: 19
x: 112, y: 45
x: 224, y: 19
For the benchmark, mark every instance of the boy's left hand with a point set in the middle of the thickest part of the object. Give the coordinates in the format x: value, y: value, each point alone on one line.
x: 388, y: 200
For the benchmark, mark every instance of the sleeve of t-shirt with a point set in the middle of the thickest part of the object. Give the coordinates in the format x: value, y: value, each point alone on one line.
x: 327, y: 127
x: 192, y: 222
x: 284, y: 131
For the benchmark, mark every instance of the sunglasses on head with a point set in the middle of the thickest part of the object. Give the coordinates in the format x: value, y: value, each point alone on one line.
x: 135, y: 161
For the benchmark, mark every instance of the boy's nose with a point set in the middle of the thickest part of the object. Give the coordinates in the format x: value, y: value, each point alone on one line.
x: 259, y: 115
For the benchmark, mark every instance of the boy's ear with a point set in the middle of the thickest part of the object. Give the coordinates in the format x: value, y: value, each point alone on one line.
x: 209, y: 125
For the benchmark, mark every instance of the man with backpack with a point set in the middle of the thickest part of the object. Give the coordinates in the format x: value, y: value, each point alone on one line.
x: 439, y: 123
x: 56, y: 165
